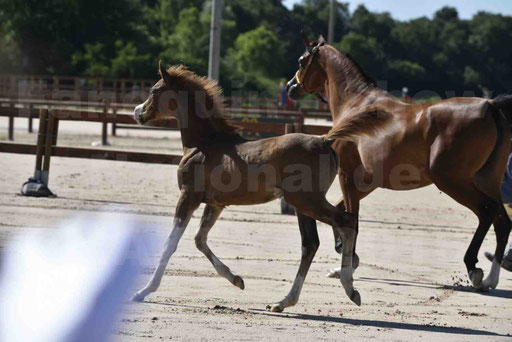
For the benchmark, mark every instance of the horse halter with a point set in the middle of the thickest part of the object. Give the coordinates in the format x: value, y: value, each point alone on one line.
x: 303, y: 74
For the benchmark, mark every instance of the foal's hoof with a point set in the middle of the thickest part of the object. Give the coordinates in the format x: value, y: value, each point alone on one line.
x: 137, y: 298
x: 239, y: 282
x: 275, y: 307
x: 356, y: 298
x: 476, y: 277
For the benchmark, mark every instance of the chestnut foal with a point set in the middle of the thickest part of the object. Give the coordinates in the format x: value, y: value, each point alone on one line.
x: 460, y: 144
x: 220, y: 168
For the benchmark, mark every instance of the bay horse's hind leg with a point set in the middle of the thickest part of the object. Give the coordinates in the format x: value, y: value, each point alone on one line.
x: 502, y: 226
x: 484, y: 208
x: 210, y: 216
x: 310, y: 243
x: 184, y: 210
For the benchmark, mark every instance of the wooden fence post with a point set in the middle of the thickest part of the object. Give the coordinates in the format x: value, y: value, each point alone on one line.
x: 104, y: 125
x: 287, y: 209
x: 10, y: 128
x: 41, y: 135
x: 30, y: 119
x: 114, y: 125
x: 51, y: 136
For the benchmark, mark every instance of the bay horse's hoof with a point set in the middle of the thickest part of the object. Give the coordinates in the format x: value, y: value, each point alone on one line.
x: 137, y: 298
x: 333, y: 273
x: 275, y: 308
x: 239, y: 282
x: 356, y: 298
x: 476, y: 277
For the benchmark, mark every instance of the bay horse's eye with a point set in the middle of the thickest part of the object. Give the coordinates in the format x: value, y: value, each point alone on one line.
x: 302, y: 62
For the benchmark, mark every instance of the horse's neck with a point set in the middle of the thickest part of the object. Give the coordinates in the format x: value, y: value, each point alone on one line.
x: 348, y: 89
x: 195, y: 131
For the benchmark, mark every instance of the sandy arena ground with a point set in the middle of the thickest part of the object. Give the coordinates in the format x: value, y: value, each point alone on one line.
x: 412, y: 277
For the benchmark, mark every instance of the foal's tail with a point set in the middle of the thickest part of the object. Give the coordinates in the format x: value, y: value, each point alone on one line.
x: 504, y: 104
x: 368, y: 122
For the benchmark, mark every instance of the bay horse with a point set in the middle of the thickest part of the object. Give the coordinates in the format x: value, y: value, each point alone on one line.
x: 459, y: 144
x: 220, y: 168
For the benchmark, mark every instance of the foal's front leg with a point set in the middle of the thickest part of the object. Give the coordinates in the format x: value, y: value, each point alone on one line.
x: 210, y: 216
x: 184, y: 209
x: 310, y: 243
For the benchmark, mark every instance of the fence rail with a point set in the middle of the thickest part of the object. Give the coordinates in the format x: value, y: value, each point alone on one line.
x: 106, y: 111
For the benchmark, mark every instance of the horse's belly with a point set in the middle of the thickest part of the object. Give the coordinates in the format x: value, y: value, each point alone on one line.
x: 396, y: 169
x: 241, y: 196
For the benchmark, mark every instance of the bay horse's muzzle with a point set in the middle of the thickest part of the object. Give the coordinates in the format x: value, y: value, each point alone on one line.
x: 293, y: 89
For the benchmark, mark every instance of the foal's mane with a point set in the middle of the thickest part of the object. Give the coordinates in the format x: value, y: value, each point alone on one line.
x: 190, y: 81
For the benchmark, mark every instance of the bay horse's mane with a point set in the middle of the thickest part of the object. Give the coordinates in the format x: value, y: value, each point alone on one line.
x: 192, y: 82
x: 359, y: 79
x: 367, y: 78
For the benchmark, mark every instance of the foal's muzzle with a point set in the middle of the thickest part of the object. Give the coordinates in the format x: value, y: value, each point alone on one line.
x: 293, y: 89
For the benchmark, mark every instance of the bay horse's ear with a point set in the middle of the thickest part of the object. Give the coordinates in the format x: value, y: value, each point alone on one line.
x: 321, y: 40
x: 164, y: 73
x: 305, y: 39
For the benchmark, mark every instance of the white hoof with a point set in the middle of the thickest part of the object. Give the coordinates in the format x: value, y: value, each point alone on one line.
x: 334, y: 273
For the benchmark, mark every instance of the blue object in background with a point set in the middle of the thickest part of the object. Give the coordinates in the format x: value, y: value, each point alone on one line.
x: 506, y: 186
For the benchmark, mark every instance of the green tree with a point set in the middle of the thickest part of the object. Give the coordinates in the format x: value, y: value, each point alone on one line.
x: 92, y: 61
x: 257, y: 51
x: 129, y: 62
x: 189, y: 42
x: 49, y: 32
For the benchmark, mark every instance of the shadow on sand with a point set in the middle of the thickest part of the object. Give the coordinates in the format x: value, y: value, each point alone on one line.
x: 341, y: 320
x: 460, y: 288
x: 384, y: 324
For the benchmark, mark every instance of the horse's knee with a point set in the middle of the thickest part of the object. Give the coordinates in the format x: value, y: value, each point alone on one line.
x: 346, y: 220
x: 200, y: 241
x: 311, y: 246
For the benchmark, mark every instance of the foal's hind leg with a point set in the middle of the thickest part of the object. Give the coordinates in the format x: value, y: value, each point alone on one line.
x: 184, y: 209
x: 310, y: 243
x: 502, y: 225
x: 210, y: 215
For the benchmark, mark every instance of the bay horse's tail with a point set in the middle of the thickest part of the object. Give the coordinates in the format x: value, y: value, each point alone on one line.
x: 365, y: 123
x: 504, y: 104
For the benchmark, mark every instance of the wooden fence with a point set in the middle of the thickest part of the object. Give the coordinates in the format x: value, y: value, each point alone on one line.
x: 21, y: 108
x: 49, y: 125
x: 116, y: 90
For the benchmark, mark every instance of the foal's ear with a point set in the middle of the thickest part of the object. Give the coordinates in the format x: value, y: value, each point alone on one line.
x: 305, y: 39
x: 164, y: 73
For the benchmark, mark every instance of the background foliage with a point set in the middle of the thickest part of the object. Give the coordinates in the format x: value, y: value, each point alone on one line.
x: 260, y: 42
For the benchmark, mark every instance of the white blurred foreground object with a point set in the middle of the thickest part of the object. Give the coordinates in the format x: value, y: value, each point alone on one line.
x: 69, y: 285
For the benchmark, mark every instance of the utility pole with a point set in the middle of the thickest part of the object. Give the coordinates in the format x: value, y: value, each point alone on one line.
x: 330, y: 35
x: 215, y: 28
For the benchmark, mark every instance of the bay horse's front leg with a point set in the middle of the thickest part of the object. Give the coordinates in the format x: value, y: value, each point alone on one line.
x: 184, y: 209
x: 210, y: 216
x: 310, y: 243
x: 350, y: 203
